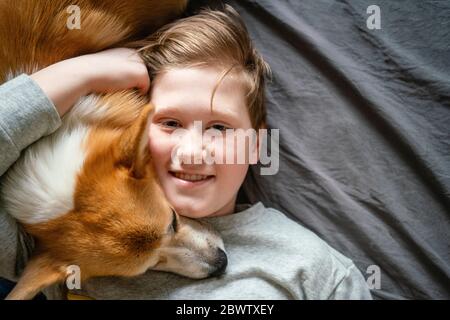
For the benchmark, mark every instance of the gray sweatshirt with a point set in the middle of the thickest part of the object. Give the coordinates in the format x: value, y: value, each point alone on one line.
x: 270, y: 256
x: 26, y: 115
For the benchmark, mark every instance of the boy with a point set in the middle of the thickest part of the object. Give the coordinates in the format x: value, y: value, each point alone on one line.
x: 206, y: 71
x: 32, y: 106
x: 207, y: 76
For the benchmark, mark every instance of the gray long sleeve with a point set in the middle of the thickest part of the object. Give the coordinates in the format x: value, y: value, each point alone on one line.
x: 269, y: 257
x: 26, y: 115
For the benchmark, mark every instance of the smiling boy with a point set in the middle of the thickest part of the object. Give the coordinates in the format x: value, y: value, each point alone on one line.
x: 205, y: 70
x: 196, y: 190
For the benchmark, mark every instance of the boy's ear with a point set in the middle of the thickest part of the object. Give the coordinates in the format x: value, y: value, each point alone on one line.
x: 133, y: 151
x: 39, y: 273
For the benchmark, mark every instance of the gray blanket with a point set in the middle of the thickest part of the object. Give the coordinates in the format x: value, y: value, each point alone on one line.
x: 364, y: 119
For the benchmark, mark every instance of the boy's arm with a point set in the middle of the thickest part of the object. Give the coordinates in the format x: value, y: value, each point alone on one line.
x: 26, y: 114
x: 31, y: 107
x: 107, y: 71
x: 15, y: 247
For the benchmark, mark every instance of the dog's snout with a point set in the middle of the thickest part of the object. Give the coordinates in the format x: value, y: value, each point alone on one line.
x: 220, y: 264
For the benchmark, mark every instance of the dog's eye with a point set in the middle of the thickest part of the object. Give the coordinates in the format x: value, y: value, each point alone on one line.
x: 174, y: 225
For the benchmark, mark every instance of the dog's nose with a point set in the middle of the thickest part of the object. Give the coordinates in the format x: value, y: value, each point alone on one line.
x: 220, y: 263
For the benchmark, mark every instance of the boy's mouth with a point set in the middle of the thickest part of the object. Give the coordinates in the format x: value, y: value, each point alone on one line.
x: 193, y: 178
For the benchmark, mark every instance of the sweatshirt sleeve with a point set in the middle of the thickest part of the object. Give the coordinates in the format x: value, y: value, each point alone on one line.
x: 352, y: 287
x: 26, y: 115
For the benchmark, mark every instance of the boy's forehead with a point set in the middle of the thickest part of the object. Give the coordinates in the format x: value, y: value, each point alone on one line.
x: 181, y: 90
x: 217, y: 111
x: 206, y: 77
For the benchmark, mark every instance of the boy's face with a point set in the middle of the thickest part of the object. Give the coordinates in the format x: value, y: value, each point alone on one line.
x: 182, y: 100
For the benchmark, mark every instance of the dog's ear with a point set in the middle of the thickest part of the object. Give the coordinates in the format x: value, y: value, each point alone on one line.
x: 133, y: 149
x: 39, y: 273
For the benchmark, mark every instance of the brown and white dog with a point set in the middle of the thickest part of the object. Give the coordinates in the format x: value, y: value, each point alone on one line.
x: 88, y: 193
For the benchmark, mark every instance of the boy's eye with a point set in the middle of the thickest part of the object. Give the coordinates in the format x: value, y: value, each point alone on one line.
x: 219, y: 127
x: 171, y: 124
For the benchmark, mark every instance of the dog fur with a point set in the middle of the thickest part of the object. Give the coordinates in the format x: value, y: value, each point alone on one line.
x: 88, y: 193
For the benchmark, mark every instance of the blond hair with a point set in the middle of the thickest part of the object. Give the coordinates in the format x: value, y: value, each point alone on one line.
x: 211, y: 37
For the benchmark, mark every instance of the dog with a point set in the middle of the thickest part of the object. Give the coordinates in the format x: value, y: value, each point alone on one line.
x: 88, y: 193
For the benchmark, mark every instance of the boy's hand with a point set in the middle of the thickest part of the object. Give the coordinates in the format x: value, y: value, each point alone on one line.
x: 115, y: 69
x: 107, y: 71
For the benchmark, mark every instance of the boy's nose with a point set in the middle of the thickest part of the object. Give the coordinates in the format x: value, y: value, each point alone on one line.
x: 190, y: 156
x: 191, y: 150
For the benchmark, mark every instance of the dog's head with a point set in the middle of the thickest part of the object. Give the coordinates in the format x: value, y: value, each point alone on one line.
x: 121, y: 224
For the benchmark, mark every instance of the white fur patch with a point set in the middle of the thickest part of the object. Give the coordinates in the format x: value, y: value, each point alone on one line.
x: 84, y: 109
x: 41, y: 184
x: 11, y: 75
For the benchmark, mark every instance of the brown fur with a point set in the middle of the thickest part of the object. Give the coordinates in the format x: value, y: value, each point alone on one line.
x: 36, y: 32
x: 120, y: 216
